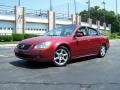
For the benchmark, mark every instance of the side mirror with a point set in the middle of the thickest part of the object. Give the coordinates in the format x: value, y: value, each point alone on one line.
x: 79, y: 34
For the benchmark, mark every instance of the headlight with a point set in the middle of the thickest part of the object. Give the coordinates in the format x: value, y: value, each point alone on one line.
x: 42, y: 45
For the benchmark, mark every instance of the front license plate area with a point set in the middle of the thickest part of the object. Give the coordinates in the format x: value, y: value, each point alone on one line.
x: 20, y: 52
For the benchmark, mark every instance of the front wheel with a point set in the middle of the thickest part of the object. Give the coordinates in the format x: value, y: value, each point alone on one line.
x: 62, y: 56
x: 102, y: 51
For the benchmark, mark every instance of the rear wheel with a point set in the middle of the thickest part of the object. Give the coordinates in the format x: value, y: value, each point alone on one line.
x: 62, y: 56
x: 102, y: 51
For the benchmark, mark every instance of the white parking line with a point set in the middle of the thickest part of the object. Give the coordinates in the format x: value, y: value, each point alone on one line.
x: 3, y: 56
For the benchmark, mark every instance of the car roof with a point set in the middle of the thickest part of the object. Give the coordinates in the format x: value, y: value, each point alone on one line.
x: 78, y: 25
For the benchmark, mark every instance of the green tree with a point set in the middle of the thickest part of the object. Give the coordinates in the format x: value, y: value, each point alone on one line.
x: 96, y: 13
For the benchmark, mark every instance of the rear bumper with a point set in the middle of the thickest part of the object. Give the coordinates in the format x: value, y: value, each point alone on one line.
x: 45, y: 55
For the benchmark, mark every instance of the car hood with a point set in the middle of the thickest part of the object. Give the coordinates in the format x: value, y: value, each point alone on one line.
x: 41, y: 39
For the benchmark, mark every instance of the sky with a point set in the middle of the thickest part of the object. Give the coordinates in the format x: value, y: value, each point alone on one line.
x: 61, y: 6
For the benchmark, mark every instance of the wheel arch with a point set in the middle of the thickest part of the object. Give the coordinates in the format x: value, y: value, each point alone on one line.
x: 103, y: 43
x: 65, y: 45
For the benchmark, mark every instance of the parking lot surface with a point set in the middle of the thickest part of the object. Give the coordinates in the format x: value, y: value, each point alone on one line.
x: 90, y: 73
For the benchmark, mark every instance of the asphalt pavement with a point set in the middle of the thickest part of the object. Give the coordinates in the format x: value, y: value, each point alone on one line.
x: 90, y: 73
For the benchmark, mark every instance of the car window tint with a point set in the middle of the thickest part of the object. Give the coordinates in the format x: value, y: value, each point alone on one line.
x: 93, y: 32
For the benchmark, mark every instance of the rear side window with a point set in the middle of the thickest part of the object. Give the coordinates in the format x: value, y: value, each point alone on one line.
x: 93, y: 32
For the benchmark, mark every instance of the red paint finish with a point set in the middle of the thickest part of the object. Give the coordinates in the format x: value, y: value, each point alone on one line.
x: 80, y: 46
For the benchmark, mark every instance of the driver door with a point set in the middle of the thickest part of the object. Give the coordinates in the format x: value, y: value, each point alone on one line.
x: 82, y: 42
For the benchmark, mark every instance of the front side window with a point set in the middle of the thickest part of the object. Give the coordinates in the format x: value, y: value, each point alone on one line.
x: 83, y: 30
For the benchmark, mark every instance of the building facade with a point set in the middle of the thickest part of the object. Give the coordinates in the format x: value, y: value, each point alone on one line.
x: 21, y: 20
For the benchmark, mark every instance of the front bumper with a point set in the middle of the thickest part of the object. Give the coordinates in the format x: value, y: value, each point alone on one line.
x: 40, y: 55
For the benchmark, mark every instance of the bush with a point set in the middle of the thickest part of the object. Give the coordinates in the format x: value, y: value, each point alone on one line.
x: 29, y: 36
x: 118, y: 34
x: 118, y: 37
x: 4, y: 38
x: 18, y: 37
x: 114, y: 36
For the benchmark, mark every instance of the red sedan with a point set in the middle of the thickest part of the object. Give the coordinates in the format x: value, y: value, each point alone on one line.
x: 63, y: 44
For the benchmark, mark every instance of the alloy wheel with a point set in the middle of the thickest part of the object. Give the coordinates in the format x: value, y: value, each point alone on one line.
x: 61, y: 56
x: 102, y: 51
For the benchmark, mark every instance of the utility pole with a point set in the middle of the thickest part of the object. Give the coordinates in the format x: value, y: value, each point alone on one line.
x: 19, y: 2
x: 50, y: 5
x: 117, y: 15
x: 104, y: 3
x: 88, y: 8
x: 68, y: 10
x: 75, y: 7
x: 116, y: 9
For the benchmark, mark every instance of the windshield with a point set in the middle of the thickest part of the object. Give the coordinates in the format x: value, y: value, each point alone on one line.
x: 61, y: 31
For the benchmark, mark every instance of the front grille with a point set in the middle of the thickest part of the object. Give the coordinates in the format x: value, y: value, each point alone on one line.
x: 24, y: 46
x: 24, y: 56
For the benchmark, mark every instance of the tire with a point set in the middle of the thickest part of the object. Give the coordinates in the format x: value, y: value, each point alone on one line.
x: 61, y: 57
x: 102, y: 51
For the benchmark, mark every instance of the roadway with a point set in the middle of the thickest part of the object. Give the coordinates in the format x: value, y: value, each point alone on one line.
x: 89, y: 73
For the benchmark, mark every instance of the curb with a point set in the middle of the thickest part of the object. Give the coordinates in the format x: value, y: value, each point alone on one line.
x: 8, y: 45
x: 114, y: 40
